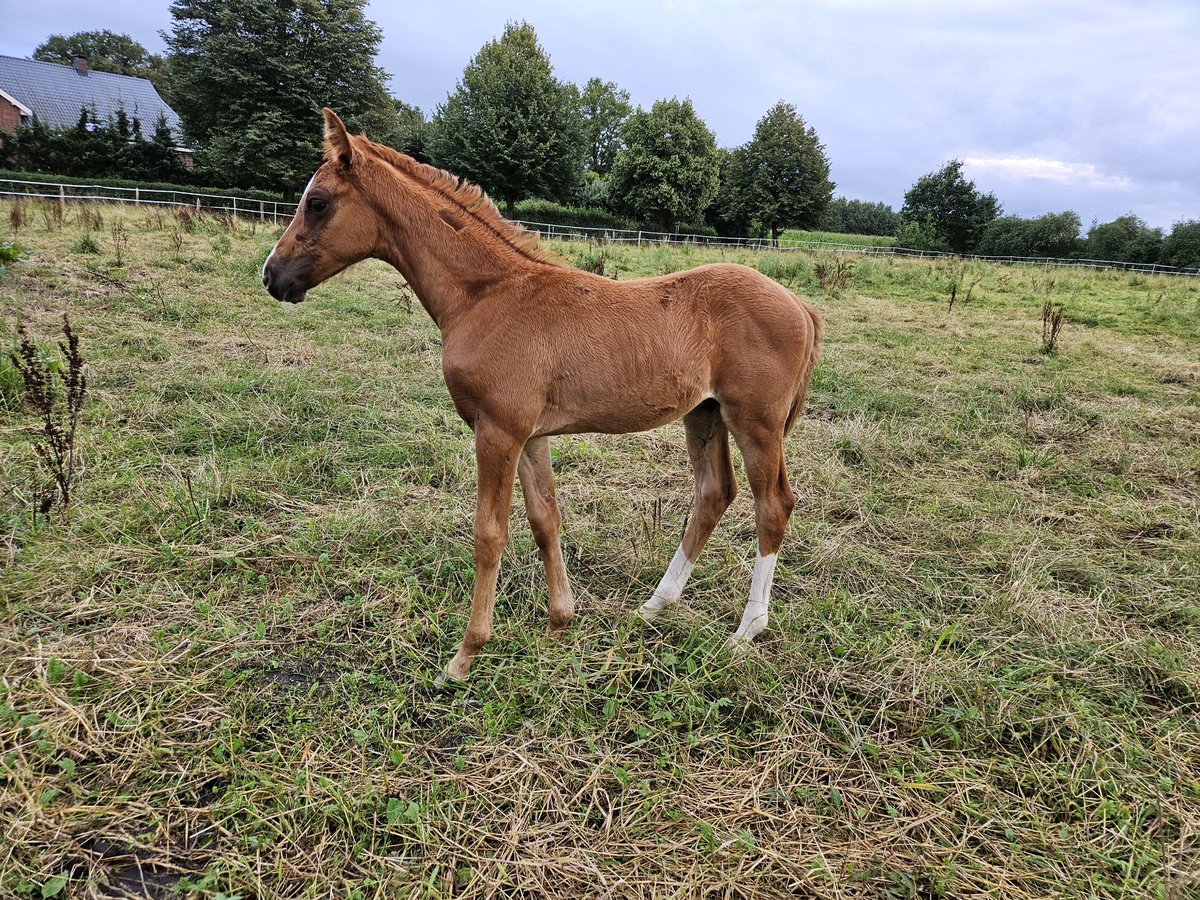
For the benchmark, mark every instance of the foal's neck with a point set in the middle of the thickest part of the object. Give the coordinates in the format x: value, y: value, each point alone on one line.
x: 449, y: 255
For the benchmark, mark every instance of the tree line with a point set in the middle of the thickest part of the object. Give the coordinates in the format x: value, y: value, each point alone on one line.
x: 513, y: 127
x: 944, y: 210
x: 510, y: 124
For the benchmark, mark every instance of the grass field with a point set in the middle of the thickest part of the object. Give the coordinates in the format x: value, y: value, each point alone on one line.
x: 981, y: 677
x: 831, y: 237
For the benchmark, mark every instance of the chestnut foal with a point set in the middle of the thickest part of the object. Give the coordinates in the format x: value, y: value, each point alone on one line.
x: 533, y: 349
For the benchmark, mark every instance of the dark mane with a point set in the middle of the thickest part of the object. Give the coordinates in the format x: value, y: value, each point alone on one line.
x: 469, y: 199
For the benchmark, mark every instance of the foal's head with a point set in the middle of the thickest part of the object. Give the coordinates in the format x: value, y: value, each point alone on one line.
x: 335, y: 226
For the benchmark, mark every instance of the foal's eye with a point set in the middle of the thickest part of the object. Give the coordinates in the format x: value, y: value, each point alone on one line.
x: 316, y: 204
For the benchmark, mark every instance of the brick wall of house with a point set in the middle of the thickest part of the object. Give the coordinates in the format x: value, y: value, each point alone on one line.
x: 10, y: 116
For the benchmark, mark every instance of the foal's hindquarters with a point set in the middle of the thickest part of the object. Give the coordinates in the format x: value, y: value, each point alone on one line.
x: 758, y: 396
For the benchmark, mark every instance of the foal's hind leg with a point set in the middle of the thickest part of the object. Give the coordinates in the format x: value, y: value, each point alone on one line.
x: 708, y: 450
x: 762, y: 452
x: 537, y: 485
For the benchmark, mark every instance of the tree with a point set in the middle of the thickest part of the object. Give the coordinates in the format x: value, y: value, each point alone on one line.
x: 786, y: 173
x: 1182, y: 246
x: 106, y: 51
x: 667, y: 171
x: 958, y: 211
x: 250, y: 77
x: 412, y: 131
x: 510, y: 125
x: 727, y: 213
x: 1124, y: 239
x: 604, y: 108
x: 156, y: 158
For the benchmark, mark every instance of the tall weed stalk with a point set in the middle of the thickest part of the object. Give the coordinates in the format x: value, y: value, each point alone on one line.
x: 58, y: 402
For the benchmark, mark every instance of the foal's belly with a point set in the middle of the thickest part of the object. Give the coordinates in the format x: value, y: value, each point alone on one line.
x: 615, y: 406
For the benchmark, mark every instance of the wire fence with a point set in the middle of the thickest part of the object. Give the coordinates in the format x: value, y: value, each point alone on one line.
x: 277, y: 211
x: 264, y: 210
x: 618, y: 235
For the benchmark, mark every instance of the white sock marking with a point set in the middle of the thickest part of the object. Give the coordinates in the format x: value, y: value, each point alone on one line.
x: 671, y: 587
x: 754, y: 619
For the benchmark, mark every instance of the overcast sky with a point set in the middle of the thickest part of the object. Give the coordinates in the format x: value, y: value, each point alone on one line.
x: 1092, y: 106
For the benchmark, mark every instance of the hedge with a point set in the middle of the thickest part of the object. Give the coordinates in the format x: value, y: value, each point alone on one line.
x: 44, y: 178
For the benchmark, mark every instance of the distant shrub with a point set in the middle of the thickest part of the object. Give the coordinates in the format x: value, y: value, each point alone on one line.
x: 1054, y: 235
x: 844, y: 216
x: 919, y: 235
x: 550, y: 213
x: 1125, y: 239
x: 1182, y: 246
x: 697, y: 228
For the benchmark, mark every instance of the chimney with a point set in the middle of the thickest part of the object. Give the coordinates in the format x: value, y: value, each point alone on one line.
x: 81, y: 65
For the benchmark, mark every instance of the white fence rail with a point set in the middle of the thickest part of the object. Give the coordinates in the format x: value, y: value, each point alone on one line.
x: 618, y: 235
x: 277, y: 210
x: 274, y: 210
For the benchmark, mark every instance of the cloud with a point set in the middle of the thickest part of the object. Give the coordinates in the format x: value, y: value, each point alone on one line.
x: 1022, y: 168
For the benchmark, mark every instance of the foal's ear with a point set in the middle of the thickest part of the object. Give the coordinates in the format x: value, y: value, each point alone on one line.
x: 337, y: 139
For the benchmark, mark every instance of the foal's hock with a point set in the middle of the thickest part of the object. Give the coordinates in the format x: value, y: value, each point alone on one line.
x: 532, y: 349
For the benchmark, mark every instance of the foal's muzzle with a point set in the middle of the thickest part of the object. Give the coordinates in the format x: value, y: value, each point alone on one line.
x: 284, y: 280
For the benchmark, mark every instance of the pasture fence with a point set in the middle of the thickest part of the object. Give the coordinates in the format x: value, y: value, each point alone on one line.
x: 277, y: 211
x: 247, y: 207
x: 617, y: 235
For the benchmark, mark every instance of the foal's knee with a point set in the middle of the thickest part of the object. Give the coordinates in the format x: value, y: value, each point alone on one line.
x: 490, y: 538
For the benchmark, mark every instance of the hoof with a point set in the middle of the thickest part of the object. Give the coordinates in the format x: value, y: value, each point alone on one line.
x: 555, y: 635
x: 648, y: 613
x: 446, y: 681
x: 738, y: 644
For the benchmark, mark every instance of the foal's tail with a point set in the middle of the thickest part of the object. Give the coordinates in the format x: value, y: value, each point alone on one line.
x: 814, y: 356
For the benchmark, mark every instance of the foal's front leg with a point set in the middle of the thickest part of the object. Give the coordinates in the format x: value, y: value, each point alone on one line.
x: 496, y: 455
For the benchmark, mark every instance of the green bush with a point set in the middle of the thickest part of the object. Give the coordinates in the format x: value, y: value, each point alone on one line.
x: 549, y: 213
x: 1124, y: 239
x: 697, y: 228
x: 859, y: 217
x: 920, y: 235
x: 1052, y: 235
x: 1182, y: 246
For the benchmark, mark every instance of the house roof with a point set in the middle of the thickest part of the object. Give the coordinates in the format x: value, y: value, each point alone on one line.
x: 57, y: 93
